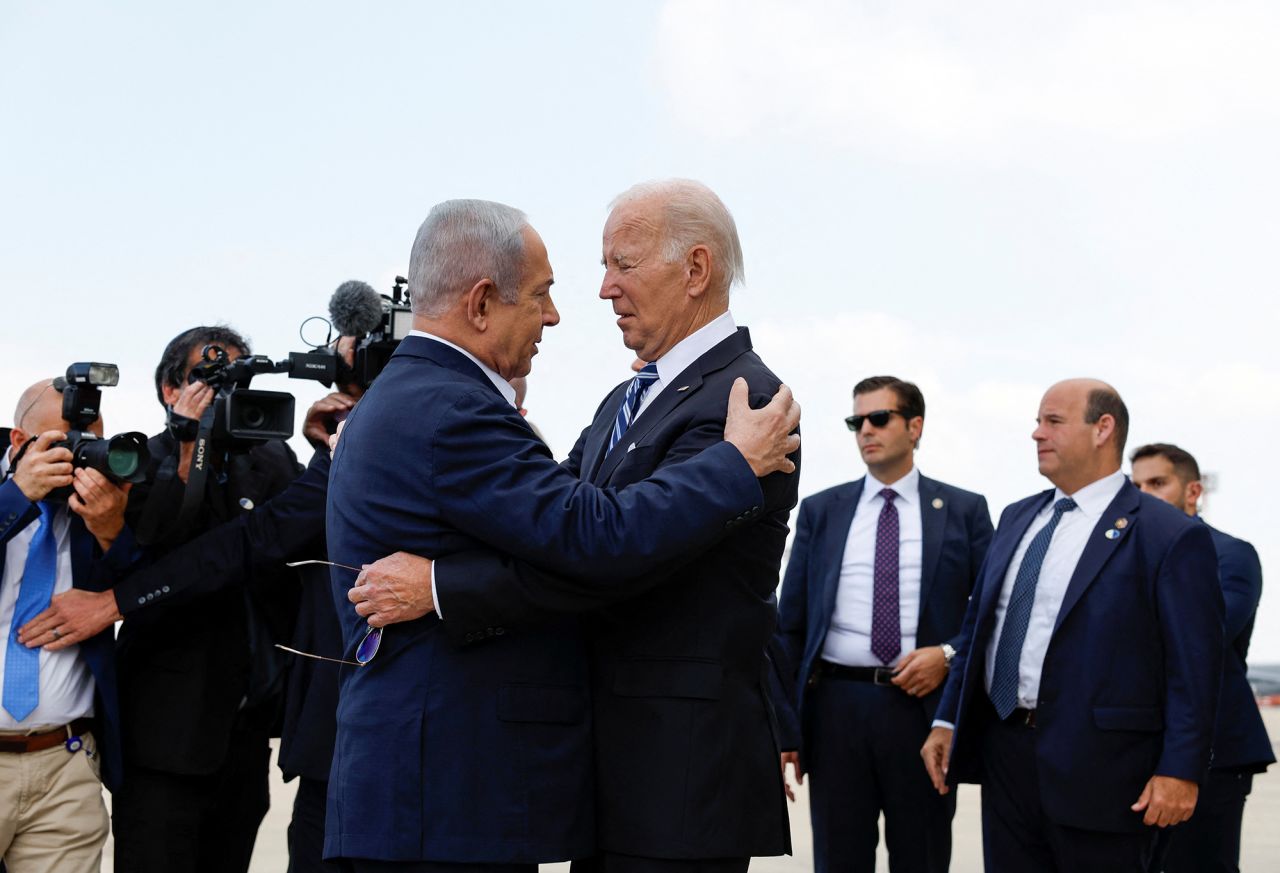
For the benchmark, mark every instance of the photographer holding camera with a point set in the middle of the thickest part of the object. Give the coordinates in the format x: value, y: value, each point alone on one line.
x: 201, y: 684
x: 62, y: 523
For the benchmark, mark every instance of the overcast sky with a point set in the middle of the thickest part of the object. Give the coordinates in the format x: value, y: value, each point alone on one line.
x: 982, y: 197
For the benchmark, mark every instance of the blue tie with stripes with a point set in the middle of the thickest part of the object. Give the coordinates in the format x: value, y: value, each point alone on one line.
x: 635, y: 394
x: 22, y: 665
x: 1004, y: 678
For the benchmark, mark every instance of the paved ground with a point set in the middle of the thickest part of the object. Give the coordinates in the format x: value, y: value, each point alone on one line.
x: 1261, y: 850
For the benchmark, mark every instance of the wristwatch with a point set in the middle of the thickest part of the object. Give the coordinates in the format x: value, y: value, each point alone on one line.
x: 948, y: 652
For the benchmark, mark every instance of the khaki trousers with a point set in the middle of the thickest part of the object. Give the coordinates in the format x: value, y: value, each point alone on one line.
x: 52, y: 818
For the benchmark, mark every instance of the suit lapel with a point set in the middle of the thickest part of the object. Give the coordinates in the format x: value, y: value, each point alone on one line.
x: 598, y: 436
x: 835, y: 536
x: 682, y: 387
x: 1003, y: 548
x: 81, y: 551
x: 933, y: 522
x: 1099, y: 548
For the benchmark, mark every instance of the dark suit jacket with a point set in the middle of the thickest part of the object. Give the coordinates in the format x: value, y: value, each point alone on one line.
x: 186, y: 666
x: 956, y: 535
x: 249, y: 549
x: 686, y: 740
x: 91, y: 570
x: 1240, y: 739
x: 1130, y: 680
x: 482, y: 754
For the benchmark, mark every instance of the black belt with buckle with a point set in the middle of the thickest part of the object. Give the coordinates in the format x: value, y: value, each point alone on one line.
x: 1024, y: 717
x: 874, y: 675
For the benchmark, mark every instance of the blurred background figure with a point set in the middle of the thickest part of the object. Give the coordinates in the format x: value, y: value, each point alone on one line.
x: 1241, y: 748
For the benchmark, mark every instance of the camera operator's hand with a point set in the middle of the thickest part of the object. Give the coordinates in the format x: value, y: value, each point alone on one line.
x: 42, y: 468
x: 322, y: 413
x: 100, y: 503
x: 192, y: 402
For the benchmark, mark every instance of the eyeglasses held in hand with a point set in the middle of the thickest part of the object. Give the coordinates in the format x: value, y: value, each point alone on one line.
x: 879, y: 418
x: 369, y: 643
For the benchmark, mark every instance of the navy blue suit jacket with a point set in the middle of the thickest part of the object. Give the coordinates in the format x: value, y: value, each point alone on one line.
x: 483, y: 753
x: 90, y: 571
x: 1129, y: 686
x: 957, y: 531
x: 1240, y: 740
x: 686, y: 740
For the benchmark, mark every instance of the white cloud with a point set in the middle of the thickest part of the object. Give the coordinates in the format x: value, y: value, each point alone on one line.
x: 988, y: 76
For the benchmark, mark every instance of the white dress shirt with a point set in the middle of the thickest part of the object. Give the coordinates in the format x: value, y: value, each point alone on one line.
x: 684, y: 353
x: 503, y: 386
x: 66, y: 685
x: 1065, y: 549
x: 848, y: 639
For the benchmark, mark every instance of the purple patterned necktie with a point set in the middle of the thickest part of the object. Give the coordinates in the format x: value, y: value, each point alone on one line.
x: 886, y: 625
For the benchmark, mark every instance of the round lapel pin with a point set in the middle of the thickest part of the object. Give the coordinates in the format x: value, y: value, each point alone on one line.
x: 1122, y: 523
x: 1112, y: 534
x: 937, y: 503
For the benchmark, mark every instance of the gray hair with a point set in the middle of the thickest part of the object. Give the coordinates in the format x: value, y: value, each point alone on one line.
x: 461, y: 243
x: 694, y: 216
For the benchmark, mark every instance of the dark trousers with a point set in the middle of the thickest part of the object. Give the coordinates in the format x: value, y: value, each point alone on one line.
x: 176, y: 823
x: 610, y: 862
x: 1209, y: 842
x: 364, y: 865
x: 306, y: 828
x: 1016, y: 835
x: 863, y: 758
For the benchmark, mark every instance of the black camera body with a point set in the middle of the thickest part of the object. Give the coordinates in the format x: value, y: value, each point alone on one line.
x: 375, y: 349
x: 242, y: 415
x: 121, y: 458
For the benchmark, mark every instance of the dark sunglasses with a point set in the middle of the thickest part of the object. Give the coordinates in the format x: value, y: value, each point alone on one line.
x: 369, y: 643
x: 879, y: 418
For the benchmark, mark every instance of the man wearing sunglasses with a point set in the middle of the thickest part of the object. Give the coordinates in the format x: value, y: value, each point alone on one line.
x: 482, y: 755
x: 875, y: 591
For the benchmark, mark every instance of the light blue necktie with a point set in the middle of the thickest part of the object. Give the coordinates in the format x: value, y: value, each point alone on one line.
x: 35, y: 591
x: 1004, y: 679
x: 631, y: 403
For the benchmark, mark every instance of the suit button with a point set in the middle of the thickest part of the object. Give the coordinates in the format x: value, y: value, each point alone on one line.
x: 813, y: 680
x: 471, y: 637
x: 151, y: 597
x: 499, y: 631
x: 165, y: 589
x: 142, y: 600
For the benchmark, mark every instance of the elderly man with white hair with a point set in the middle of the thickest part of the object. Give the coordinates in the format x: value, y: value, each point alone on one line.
x: 686, y: 748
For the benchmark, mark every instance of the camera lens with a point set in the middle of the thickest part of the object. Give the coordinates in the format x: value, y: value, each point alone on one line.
x: 123, y: 460
x: 253, y: 416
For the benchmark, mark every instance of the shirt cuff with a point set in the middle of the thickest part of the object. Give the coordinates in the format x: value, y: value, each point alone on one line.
x: 435, y: 600
x: 937, y: 722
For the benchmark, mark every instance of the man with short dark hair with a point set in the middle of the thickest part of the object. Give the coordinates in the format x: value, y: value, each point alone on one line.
x: 1210, y: 840
x: 1083, y: 698
x: 875, y: 592
x: 200, y: 684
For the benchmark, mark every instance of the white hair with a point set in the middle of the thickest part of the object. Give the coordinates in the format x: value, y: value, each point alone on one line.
x: 694, y: 216
x: 460, y: 243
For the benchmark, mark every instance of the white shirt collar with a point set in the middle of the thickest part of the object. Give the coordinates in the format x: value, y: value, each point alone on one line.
x: 500, y: 383
x: 907, y: 488
x: 694, y: 346
x: 1094, y: 498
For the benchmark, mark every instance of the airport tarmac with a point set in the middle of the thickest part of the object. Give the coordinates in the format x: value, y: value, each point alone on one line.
x: 1260, y: 851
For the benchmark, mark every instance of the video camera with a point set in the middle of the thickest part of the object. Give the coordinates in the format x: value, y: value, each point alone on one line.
x: 395, y: 320
x: 121, y: 458
x: 242, y: 415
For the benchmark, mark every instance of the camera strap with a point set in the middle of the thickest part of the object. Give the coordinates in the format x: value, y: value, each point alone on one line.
x: 193, y: 493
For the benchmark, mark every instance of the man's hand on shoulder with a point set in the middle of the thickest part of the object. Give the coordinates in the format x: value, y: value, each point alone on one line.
x: 42, y: 469
x: 72, y: 617
x: 393, y: 589
x: 764, y: 436
x: 1167, y: 801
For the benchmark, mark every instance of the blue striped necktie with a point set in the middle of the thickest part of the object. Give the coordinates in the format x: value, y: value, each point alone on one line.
x: 635, y: 394
x: 22, y: 665
x: 1017, y: 615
